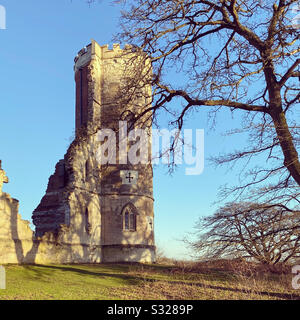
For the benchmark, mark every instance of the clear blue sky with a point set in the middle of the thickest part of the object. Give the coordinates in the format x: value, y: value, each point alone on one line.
x: 37, y: 98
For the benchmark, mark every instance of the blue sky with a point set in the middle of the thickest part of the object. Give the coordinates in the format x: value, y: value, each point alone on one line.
x: 37, y: 99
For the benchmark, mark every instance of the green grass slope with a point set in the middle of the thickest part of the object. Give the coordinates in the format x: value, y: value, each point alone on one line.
x: 136, y: 281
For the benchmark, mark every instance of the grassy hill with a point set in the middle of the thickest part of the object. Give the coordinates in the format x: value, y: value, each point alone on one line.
x: 138, y: 281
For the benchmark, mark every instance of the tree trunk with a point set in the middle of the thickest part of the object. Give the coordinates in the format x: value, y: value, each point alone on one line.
x: 291, y: 158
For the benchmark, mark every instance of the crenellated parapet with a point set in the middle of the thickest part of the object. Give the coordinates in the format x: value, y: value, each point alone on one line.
x: 94, y: 50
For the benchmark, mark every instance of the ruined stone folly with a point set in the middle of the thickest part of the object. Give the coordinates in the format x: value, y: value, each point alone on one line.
x: 93, y: 211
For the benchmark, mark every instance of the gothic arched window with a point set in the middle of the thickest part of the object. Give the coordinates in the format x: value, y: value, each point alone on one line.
x: 129, y: 214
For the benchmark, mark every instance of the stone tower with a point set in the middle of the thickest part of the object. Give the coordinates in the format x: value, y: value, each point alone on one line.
x: 102, y: 206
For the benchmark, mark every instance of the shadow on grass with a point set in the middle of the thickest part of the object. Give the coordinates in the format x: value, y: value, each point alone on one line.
x: 287, y: 296
x: 39, y: 270
x: 136, y: 280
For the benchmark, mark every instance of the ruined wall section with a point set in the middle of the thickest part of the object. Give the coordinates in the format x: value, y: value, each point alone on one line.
x: 51, y: 212
x: 83, y: 194
x: 69, y: 213
x: 15, y: 234
x: 18, y: 244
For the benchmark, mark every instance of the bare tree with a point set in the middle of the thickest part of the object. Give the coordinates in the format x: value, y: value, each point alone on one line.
x: 234, y: 54
x: 270, y: 234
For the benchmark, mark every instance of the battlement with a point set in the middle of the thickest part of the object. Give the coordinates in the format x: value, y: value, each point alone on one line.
x: 83, y: 57
x: 86, y: 54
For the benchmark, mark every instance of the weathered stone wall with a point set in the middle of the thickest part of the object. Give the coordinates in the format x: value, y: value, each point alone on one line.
x: 15, y: 234
x: 19, y: 245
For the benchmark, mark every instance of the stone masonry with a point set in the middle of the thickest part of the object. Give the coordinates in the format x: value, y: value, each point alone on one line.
x: 91, y: 212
